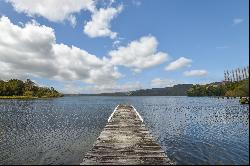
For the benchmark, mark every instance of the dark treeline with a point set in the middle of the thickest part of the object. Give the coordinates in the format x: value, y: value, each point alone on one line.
x: 176, y: 90
x: 230, y: 89
x: 15, y: 87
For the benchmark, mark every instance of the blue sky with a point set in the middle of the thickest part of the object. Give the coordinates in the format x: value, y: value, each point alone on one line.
x: 153, y: 43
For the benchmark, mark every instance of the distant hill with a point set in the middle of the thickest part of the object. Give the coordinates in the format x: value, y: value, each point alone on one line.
x: 176, y: 90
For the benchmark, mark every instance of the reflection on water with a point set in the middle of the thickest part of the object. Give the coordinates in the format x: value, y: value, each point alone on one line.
x: 60, y: 131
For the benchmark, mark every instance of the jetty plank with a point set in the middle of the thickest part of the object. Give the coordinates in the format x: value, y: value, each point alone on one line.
x: 126, y: 141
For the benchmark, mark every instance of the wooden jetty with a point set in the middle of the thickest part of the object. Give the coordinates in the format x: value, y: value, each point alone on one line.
x: 126, y: 141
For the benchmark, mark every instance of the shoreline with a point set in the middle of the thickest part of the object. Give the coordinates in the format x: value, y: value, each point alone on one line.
x: 26, y: 97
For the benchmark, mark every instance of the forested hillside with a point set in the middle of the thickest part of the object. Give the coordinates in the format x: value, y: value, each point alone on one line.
x: 15, y: 87
x: 231, y: 89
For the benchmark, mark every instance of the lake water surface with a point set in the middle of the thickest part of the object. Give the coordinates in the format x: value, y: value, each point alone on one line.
x: 191, y: 130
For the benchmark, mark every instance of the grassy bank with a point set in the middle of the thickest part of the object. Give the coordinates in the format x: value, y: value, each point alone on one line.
x: 26, y: 97
x: 17, y: 97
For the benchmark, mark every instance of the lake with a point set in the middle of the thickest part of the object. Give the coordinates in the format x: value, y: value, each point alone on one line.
x: 191, y: 130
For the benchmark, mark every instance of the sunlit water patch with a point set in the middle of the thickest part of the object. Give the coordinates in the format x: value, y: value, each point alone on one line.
x: 60, y: 131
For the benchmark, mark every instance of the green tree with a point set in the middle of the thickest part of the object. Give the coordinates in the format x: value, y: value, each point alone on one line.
x: 15, y: 87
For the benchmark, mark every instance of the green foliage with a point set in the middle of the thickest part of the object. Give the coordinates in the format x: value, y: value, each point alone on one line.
x: 230, y: 89
x: 28, y: 93
x: 15, y: 87
x: 244, y: 100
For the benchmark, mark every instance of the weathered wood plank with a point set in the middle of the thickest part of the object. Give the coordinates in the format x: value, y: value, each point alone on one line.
x: 125, y: 140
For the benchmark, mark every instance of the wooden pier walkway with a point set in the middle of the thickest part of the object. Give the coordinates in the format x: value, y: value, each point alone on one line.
x: 126, y: 141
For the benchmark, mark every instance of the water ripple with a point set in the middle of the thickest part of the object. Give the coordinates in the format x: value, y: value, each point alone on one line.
x: 60, y: 131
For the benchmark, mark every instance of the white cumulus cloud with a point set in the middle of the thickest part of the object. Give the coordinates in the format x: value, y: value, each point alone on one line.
x: 114, y: 87
x: 179, y: 63
x: 99, y: 25
x: 237, y: 21
x: 139, y: 54
x: 73, y: 88
x: 53, y: 10
x: 195, y: 73
x: 31, y: 50
x: 61, y: 10
x: 161, y: 83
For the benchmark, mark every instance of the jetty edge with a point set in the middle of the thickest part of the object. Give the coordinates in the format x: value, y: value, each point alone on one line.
x: 126, y: 141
